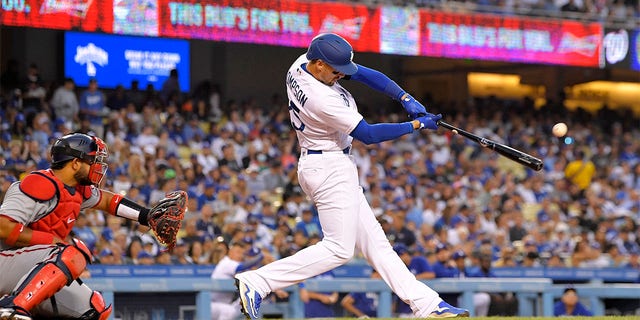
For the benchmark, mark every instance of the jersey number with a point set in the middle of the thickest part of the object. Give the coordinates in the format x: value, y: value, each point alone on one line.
x: 293, y: 112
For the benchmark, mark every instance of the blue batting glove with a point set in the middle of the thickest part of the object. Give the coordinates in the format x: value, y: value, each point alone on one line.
x: 430, y: 121
x: 413, y: 107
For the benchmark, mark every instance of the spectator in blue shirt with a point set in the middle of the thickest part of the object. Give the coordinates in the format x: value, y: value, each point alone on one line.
x: 570, y: 306
x: 363, y: 305
x: 444, y: 266
x: 419, y: 266
x: 309, y: 224
x: 92, y: 101
x: 208, y: 195
x: 318, y: 304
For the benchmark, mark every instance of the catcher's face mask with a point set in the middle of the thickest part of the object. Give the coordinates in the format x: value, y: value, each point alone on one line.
x: 98, y: 162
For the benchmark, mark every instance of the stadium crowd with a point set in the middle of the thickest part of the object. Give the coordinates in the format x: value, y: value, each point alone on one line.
x: 432, y: 192
x: 618, y: 12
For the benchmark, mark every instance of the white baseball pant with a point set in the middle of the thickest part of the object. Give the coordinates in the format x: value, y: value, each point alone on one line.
x: 331, y: 180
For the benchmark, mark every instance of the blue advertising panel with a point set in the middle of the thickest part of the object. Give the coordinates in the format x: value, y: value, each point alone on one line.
x: 118, y: 60
x: 635, y: 50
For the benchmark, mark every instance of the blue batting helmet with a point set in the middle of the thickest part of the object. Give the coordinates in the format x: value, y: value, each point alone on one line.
x: 334, y: 50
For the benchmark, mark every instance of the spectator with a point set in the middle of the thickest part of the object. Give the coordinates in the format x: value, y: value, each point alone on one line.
x: 571, y: 6
x: 180, y: 252
x: 502, y: 303
x: 241, y: 257
x: 135, y: 96
x: 82, y: 230
x: 419, y: 267
x: 363, y: 305
x: 569, y: 305
x: 309, y: 223
x: 118, y: 99
x: 65, y: 103
x: 481, y: 300
x: 170, y: 87
x: 318, y: 304
x: 580, y: 171
x: 34, y: 97
x: 145, y: 258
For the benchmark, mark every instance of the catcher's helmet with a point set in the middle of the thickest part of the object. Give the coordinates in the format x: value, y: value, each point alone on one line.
x: 85, y: 147
x: 334, y: 50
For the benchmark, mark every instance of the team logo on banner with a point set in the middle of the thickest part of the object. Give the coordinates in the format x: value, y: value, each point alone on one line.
x: 616, y: 46
x: 91, y: 55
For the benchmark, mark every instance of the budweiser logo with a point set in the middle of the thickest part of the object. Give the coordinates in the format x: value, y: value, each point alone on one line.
x: 75, y: 8
x: 349, y: 28
x: 586, y: 46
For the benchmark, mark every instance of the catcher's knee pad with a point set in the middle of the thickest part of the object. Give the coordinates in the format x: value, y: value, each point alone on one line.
x: 99, y: 310
x: 73, y: 259
x: 49, y: 277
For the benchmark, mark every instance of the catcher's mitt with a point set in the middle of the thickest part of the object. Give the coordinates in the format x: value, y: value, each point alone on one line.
x: 165, y: 218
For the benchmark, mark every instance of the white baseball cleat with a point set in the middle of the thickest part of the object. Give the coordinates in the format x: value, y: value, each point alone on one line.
x: 13, y: 314
x: 445, y: 310
x: 249, y: 300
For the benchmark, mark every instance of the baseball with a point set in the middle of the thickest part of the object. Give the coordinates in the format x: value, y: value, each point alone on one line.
x: 454, y: 131
x: 559, y: 129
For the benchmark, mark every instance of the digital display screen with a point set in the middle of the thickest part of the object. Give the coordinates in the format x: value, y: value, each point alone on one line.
x: 380, y: 29
x: 635, y: 50
x: 499, y: 38
x: 85, y: 15
x: 400, y: 31
x: 117, y: 60
x: 286, y: 23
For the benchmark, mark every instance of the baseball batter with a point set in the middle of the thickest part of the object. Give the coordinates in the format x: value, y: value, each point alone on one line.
x: 326, y: 120
x: 40, y: 262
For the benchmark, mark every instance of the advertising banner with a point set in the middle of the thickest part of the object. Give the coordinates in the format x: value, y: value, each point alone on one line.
x: 487, y: 37
x: 634, y: 52
x: 382, y: 29
x: 86, y: 15
x: 118, y: 60
x: 285, y: 23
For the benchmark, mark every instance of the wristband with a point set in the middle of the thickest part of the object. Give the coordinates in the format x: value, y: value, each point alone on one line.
x: 15, y: 233
x: 125, y: 208
x: 40, y: 237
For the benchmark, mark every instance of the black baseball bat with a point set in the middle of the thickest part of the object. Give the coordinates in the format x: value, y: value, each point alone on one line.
x: 509, y: 152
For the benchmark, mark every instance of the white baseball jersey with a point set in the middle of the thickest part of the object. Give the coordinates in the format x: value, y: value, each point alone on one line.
x: 322, y: 115
x: 225, y: 269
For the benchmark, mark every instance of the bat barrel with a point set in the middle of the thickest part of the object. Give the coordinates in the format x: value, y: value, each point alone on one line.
x: 509, y: 152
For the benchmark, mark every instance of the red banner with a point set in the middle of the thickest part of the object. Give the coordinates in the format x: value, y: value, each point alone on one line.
x: 486, y: 37
x: 86, y: 15
x: 391, y: 30
x: 286, y: 23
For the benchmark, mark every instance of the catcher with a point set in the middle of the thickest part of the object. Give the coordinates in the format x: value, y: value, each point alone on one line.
x: 40, y: 263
